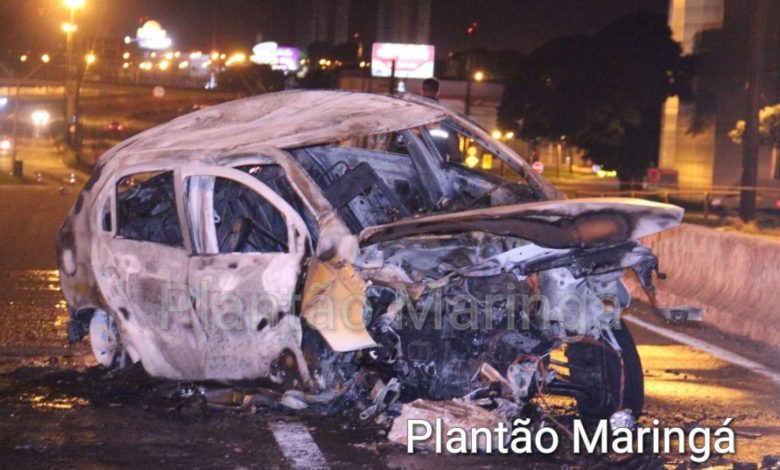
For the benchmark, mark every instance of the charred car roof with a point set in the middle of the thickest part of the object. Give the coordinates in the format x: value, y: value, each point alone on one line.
x: 283, y: 120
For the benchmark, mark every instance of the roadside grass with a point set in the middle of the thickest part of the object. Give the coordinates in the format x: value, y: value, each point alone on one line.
x: 766, y: 224
x: 7, y: 179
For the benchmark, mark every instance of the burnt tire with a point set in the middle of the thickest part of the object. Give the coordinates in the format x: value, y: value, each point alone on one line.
x: 596, y: 370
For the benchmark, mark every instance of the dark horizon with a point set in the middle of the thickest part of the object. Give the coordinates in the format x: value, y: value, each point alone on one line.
x: 235, y: 24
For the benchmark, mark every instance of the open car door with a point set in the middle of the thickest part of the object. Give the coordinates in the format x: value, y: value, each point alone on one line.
x: 248, y: 248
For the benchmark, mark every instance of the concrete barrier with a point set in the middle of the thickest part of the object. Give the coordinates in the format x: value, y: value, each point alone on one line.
x: 734, y: 277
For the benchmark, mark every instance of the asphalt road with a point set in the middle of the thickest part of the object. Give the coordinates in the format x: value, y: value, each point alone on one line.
x: 58, y: 409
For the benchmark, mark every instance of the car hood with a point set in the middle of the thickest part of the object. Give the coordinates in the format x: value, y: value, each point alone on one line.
x: 588, y: 222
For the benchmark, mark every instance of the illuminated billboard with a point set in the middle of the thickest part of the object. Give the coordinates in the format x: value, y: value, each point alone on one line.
x: 278, y: 57
x: 411, y: 60
x: 287, y: 59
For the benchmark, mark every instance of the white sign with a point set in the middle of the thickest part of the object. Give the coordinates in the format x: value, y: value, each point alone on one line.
x: 411, y: 60
x: 264, y: 53
x: 152, y: 36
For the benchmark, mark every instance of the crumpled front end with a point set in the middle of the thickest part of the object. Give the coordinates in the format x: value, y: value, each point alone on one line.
x: 447, y: 315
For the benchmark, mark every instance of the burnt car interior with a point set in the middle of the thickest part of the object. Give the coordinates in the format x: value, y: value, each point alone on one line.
x: 377, y: 179
x: 245, y: 222
x: 146, y: 209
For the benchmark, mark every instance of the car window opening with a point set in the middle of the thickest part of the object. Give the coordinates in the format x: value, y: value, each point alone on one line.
x: 146, y: 209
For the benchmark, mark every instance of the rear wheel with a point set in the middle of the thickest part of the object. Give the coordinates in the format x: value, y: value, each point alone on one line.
x: 597, y: 370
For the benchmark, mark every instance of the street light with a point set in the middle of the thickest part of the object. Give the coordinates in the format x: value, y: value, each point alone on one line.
x: 90, y: 58
x: 68, y: 28
x: 479, y: 76
x: 45, y: 58
x: 40, y: 117
x: 74, y: 4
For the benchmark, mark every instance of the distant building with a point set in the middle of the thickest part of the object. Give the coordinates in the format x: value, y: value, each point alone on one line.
x: 721, y: 29
x: 404, y: 21
x: 321, y: 21
x: 329, y: 21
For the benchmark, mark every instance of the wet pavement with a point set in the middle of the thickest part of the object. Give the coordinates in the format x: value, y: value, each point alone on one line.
x: 58, y: 409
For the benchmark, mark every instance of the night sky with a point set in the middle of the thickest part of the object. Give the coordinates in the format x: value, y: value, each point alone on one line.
x: 503, y: 24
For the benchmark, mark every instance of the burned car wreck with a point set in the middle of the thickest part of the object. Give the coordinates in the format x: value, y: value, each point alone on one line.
x: 347, y: 248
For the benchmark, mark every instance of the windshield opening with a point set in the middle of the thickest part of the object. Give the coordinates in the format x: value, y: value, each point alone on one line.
x: 377, y: 179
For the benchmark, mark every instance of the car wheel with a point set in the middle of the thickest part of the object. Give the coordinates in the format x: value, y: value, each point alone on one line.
x: 104, y: 339
x: 597, y: 370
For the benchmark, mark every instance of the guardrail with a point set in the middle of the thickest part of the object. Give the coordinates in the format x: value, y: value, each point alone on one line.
x: 718, y: 200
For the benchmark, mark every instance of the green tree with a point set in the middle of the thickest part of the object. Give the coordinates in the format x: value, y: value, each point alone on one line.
x: 603, y: 92
x: 768, y: 127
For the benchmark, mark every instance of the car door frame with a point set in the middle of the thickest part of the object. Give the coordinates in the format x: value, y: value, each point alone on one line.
x: 262, y: 333
x: 145, y: 331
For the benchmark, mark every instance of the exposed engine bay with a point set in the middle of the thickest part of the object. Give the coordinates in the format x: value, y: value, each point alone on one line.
x: 476, y: 317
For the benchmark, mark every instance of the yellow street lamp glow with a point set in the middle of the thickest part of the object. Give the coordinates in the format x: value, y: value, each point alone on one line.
x: 237, y: 58
x: 196, y: 55
x: 184, y: 64
x: 169, y: 55
x: 163, y: 65
x: 472, y: 159
x: 496, y: 134
x: 40, y: 117
x: 126, y: 65
x: 69, y: 27
x: 509, y: 135
x: 23, y: 58
x: 223, y: 56
x: 479, y: 75
x: 126, y: 55
x: 145, y: 65
x: 90, y: 58
x: 74, y: 4
x: 45, y: 58
x: 487, y: 161
x: 206, y: 64
x: 214, y: 55
x: 153, y: 55
x: 177, y: 54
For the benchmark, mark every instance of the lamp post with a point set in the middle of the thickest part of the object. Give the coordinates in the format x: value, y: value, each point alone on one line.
x: 71, y: 82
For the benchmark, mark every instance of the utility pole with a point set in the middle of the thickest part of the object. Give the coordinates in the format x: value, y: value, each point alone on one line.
x: 392, y: 78
x: 753, y: 83
x: 71, y: 75
x: 469, y: 65
x: 18, y: 169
